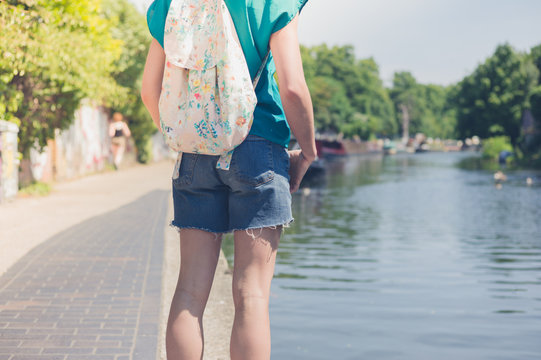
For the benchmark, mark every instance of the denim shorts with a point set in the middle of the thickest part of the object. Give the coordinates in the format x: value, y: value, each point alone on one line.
x: 253, y: 193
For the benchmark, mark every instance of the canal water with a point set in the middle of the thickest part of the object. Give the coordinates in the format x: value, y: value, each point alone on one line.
x: 410, y: 257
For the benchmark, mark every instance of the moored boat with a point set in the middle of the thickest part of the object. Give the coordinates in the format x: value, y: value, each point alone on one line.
x: 345, y: 147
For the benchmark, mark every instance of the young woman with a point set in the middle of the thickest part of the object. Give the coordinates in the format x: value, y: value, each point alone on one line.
x: 253, y: 198
x: 119, y: 132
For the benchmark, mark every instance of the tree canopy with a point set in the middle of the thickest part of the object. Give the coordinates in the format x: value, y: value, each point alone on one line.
x: 130, y: 28
x: 422, y: 108
x: 55, y: 53
x: 348, y: 94
x: 349, y: 97
x: 491, y: 101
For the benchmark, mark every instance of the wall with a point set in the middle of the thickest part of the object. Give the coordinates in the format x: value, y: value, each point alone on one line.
x: 9, y: 161
x: 81, y: 149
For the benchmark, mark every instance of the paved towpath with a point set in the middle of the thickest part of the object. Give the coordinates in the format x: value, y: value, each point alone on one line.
x: 91, y: 268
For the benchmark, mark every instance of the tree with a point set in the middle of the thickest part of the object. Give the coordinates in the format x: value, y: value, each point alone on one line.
x: 407, y: 97
x: 535, y: 55
x: 55, y: 53
x: 373, y: 100
x: 439, y: 117
x: 492, y: 99
x: 423, y: 108
x: 347, y: 93
x: 535, y: 96
x: 535, y: 102
x: 130, y: 27
x: 331, y: 106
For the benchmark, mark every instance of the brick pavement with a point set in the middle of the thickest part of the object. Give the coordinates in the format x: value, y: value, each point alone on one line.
x: 90, y: 292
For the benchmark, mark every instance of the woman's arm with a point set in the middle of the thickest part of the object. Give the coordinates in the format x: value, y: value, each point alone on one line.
x: 126, y: 129
x: 152, y: 80
x: 295, y: 99
x: 111, y: 130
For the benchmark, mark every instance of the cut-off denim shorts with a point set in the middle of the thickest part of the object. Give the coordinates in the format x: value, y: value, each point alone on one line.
x: 252, y: 194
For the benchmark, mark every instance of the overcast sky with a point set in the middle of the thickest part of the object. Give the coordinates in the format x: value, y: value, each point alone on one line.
x: 439, y: 41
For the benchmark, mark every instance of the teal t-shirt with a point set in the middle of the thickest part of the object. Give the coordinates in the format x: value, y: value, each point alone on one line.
x: 255, y: 22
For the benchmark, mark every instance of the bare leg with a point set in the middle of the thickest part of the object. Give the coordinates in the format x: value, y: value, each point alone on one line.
x: 114, y: 150
x: 119, y: 155
x: 199, y: 252
x: 255, y: 256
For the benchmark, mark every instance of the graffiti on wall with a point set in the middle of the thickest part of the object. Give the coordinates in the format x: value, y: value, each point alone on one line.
x: 85, y: 146
x: 9, y: 162
x: 81, y: 149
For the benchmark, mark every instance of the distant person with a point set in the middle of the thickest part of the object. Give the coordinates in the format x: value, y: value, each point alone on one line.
x: 119, y: 133
x: 502, y: 157
x: 253, y: 198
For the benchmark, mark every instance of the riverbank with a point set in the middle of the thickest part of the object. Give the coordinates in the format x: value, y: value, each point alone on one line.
x: 478, y: 162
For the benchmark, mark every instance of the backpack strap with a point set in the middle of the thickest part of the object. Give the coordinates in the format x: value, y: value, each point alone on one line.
x: 261, y: 68
x: 225, y: 160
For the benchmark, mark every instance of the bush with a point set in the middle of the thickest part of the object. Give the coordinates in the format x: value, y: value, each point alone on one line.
x: 494, y: 145
x: 36, y: 188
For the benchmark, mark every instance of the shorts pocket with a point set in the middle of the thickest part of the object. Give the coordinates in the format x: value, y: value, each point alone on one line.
x: 281, y: 161
x: 186, y: 171
x: 252, y: 162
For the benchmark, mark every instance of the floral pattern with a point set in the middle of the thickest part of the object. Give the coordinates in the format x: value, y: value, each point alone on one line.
x: 208, y: 99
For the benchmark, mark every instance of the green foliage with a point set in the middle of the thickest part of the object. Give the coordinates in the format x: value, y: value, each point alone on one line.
x: 349, y: 97
x: 330, y: 103
x: 439, y: 117
x: 407, y: 97
x: 494, y: 145
x: 347, y: 94
x: 535, y: 55
x: 494, y: 99
x: 59, y: 52
x: 427, y: 108
x: 374, y: 100
x: 535, y: 103
x: 496, y: 93
x: 55, y: 53
x: 532, y: 143
x: 37, y: 188
x: 130, y: 27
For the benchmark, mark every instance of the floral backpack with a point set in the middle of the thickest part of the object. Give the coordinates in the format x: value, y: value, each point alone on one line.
x: 208, y: 99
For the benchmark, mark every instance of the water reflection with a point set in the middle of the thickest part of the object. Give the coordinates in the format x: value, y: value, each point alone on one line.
x: 388, y: 246
x: 410, y: 257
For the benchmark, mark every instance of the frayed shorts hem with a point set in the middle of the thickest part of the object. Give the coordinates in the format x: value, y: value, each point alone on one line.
x: 179, y: 227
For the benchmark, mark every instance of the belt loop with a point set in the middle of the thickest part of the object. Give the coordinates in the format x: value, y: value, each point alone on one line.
x: 224, y: 161
x: 176, y: 170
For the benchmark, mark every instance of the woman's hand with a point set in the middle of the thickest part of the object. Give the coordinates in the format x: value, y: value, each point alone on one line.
x: 298, y: 165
